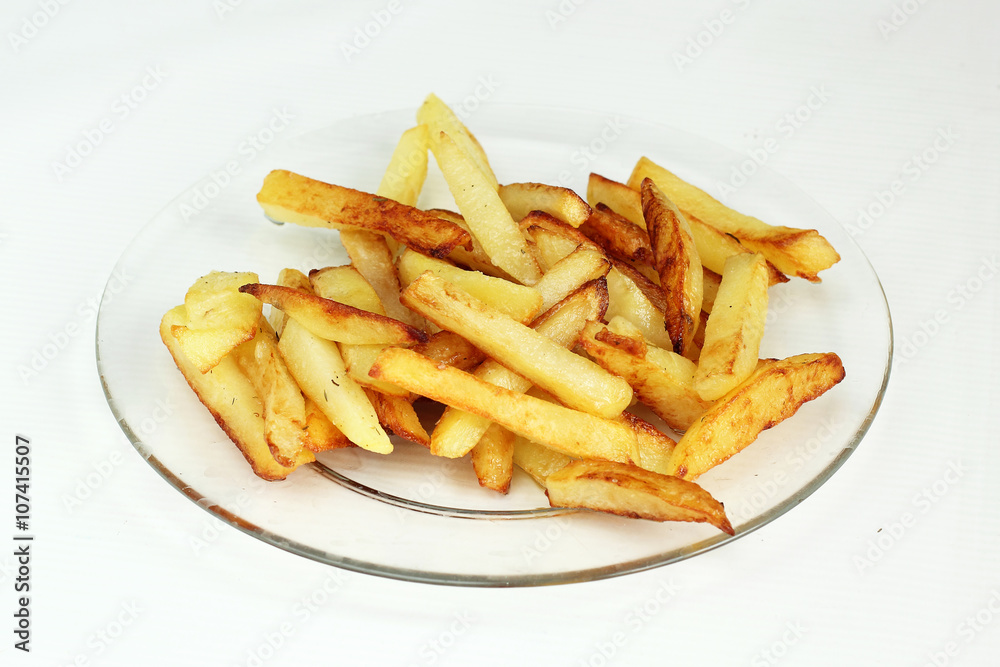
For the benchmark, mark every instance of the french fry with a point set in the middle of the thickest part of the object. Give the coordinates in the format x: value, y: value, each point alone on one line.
x: 450, y: 349
x: 290, y: 197
x: 797, y: 252
x: 630, y: 491
x: 575, y: 381
x: 475, y: 259
x: 438, y: 117
x: 619, y: 197
x: 397, y: 415
x: 346, y: 285
x: 294, y: 279
x: 575, y: 433
x: 735, y: 328
x: 561, y: 203
x: 404, y: 177
x: 217, y: 318
x: 538, y: 460
x: 493, y: 458
x: 773, y: 393
x: 484, y: 213
x: 571, y: 272
x: 458, y: 431
x: 635, y: 298
x: 715, y: 247
x: 617, y: 235
x: 284, y: 406
x: 321, y: 434
x: 668, y: 390
x: 319, y: 370
x: 655, y: 446
x: 675, y: 258
x: 232, y: 400
x: 333, y: 320
x: 519, y: 302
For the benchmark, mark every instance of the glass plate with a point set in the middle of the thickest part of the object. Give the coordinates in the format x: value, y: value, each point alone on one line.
x: 416, y: 517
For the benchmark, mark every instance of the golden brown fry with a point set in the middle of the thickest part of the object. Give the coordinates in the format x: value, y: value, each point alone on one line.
x: 397, y: 415
x: 458, y: 431
x: 333, y: 320
x: 450, y: 349
x: 321, y: 434
x: 667, y: 390
x: 561, y: 203
x: 484, y: 213
x: 284, y: 406
x: 575, y: 381
x: 630, y: 491
x: 797, y: 252
x: 537, y: 460
x: 735, y: 328
x: 569, y: 431
x: 290, y: 197
x: 617, y: 235
x: 493, y: 458
x: 675, y: 258
x: 232, y: 400
x: 773, y: 393
x: 620, y: 198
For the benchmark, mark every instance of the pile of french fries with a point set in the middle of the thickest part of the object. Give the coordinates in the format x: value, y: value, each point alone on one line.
x: 534, y: 317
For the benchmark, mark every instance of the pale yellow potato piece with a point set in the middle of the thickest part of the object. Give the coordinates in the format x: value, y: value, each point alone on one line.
x: 575, y: 381
x: 561, y: 203
x: 630, y: 491
x: 735, y: 327
x: 537, y: 460
x: 518, y: 301
x: 319, y: 370
x: 628, y: 301
x: 797, y: 252
x: 667, y: 391
x: 493, y: 458
x: 438, y: 117
x: 458, y: 431
x: 484, y: 213
x: 773, y: 393
x: 619, y: 197
x: 572, y: 432
x: 407, y: 170
x: 231, y: 399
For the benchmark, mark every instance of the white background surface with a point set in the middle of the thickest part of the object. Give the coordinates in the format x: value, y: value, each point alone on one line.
x: 793, y: 593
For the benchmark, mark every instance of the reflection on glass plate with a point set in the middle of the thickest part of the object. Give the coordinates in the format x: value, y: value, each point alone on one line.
x: 416, y: 517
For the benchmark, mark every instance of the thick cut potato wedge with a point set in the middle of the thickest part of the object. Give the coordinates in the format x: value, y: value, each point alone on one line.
x: 676, y: 260
x: 575, y: 381
x: 561, y: 203
x: 735, y: 327
x: 715, y: 247
x: 458, y: 431
x: 404, y: 177
x: 438, y: 117
x: 284, y: 405
x: 290, y: 197
x: 626, y: 490
x: 231, y: 398
x: 493, y: 458
x: 218, y: 319
x: 319, y: 370
x: 796, y: 252
x: 518, y: 301
x: 619, y: 197
x: 667, y: 390
x: 572, y: 432
x: 773, y: 393
x: 333, y: 320
x: 484, y: 213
